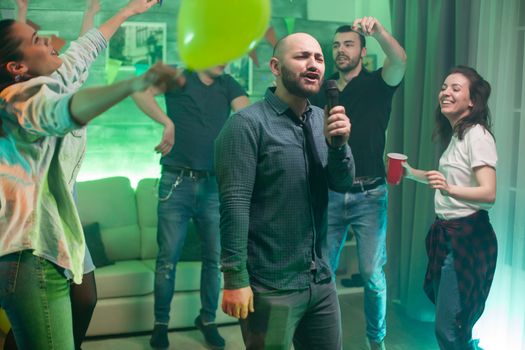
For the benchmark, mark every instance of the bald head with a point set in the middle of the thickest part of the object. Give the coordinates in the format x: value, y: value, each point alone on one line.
x: 294, y: 41
x: 298, y: 66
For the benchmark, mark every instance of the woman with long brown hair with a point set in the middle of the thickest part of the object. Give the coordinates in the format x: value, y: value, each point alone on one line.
x: 43, y: 115
x: 461, y: 244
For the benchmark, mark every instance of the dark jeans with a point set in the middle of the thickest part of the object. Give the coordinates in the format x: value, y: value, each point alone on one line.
x: 310, y: 318
x: 180, y: 199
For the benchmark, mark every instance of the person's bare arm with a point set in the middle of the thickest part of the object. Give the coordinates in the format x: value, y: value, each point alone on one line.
x: 395, y: 62
x: 92, y: 8
x: 239, y: 103
x: 146, y: 102
x: 485, y: 192
x: 134, y: 7
x: 21, y: 10
x: 414, y: 174
x: 89, y: 103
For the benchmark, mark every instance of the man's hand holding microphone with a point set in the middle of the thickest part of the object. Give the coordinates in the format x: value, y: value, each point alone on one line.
x: 337, y: 125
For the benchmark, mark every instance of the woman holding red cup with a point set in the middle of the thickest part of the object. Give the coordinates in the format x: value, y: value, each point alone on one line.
x: 461, y: 244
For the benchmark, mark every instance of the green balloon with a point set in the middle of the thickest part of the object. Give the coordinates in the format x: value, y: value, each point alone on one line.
x: 214, y: 32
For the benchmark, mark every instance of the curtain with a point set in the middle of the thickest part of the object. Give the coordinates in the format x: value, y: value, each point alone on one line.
x: 490, y: 36
x: 498, y: 56
x: 432, y: 34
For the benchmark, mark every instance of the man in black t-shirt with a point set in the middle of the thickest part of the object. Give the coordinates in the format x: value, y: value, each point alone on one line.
x: 188, y: 188
x: 367, y: 98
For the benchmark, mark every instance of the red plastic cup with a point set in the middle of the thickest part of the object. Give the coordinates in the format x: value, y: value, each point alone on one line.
x: 395, y: 169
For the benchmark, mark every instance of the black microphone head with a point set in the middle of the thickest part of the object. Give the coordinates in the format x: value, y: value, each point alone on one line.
x: 331, y: 84
x: 332, y: 93
x: 332, y: 100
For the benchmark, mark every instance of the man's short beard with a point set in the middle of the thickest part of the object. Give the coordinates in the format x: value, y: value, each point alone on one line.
x: 293, y: 86
x: 348, y: 67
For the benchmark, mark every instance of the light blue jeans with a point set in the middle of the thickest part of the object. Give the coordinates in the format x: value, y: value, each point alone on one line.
x: 35, y: 295
x: 447, y: 307
x: 181, y: 199
x: 366, y: 212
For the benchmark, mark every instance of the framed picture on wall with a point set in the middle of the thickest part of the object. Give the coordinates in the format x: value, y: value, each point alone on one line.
x: 370, y: 62
x: 242, y: 71
x: 138, y: 44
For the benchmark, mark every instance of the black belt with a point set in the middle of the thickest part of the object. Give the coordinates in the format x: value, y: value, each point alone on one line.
x: 185, y: 172
x: 362, y: 187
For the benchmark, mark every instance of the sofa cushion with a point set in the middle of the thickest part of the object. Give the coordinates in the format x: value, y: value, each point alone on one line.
x: 95, y: 245
x: 124, y: 279
x: 111, y: 203
x: 146, y: 195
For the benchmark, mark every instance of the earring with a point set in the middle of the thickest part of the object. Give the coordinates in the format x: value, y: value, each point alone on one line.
x: 18, y: 77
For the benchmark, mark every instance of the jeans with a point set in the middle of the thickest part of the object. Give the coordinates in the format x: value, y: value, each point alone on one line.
x: 310, y: 318
x: 447, y: 307
x: 182, y: 198
x: 366, y: 213
x: 35, y: 295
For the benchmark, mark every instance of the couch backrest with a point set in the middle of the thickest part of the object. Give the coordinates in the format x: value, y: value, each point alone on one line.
x: 111, y: 203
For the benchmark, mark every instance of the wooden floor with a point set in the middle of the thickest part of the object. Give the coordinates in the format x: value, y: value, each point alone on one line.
x: 403, y: 333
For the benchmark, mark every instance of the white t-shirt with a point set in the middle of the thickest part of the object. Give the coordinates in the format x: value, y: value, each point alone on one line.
x: 457, y: 164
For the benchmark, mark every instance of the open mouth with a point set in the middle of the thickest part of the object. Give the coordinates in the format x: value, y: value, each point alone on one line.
x: 312, y: 76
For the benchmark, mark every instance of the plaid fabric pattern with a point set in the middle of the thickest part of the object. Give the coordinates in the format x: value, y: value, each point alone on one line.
x: 474, y: 247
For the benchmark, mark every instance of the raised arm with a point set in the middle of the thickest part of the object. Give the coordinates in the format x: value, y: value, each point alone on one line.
x: 21, y: 10
x: 395, y: 61
x: 146, y: 102
x: 134, y: 7
x: 92, y: 8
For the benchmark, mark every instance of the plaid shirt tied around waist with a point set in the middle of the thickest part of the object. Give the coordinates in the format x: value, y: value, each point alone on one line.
x: 474, y: 248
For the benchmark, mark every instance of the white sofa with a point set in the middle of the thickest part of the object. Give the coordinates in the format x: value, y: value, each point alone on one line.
x: 128, y: 224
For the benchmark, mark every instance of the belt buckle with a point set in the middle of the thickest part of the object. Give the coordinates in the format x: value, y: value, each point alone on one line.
x: 192, y: 174
x: 358, y: 184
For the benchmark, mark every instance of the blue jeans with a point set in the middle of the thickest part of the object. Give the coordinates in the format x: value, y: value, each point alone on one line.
x: 366, y: 212
x: 35, y: 295
x: 447, y: 307
x: 181, y: 199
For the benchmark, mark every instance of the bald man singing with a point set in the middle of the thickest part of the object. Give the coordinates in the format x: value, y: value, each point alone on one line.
x: 275, y: 162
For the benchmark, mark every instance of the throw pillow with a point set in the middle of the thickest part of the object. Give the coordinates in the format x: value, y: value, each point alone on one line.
x: 95, y: 245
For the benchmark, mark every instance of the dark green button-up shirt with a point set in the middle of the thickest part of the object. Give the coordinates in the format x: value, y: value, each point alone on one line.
x: 268, y: 236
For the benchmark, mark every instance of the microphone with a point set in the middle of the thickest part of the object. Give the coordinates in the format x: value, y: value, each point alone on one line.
x: 332, y: 100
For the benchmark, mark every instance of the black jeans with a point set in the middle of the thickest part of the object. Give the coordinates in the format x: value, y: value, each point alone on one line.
x: 311, y: 318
